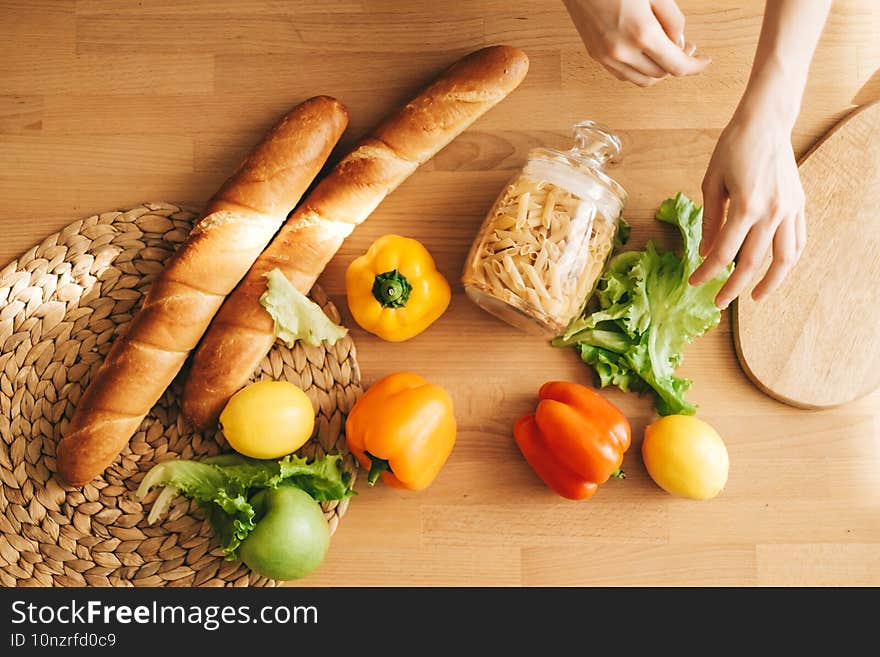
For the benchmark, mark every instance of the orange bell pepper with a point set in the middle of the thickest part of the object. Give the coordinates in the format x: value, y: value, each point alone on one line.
x: 575, y: 440
x: 402, y: 428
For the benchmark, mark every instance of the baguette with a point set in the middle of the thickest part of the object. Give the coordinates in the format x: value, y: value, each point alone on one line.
x: 242, y: 332
x: 238, y: 223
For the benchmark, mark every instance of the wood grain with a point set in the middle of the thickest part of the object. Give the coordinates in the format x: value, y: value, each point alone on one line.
x: 106, y: 104
x: 813, y: 342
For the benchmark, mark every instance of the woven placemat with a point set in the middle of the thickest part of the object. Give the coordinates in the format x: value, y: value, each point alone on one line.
x: 61, y: 305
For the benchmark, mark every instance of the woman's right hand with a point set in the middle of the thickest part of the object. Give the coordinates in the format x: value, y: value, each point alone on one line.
x: 637, y: 40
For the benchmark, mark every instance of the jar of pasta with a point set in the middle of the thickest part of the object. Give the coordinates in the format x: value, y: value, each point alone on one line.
x: 547, y: 238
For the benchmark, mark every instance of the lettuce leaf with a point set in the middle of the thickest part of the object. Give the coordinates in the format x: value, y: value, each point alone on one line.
x: 648, y: 314
x: 224, y: 485
x: 296, y: 316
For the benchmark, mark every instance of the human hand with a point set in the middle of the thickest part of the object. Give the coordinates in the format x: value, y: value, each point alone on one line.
x: 754, y: 175
x: 637, y: 40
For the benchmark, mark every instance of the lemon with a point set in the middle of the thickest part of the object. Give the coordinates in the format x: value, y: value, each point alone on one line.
x: 685, y: 457
x: 268, y: 419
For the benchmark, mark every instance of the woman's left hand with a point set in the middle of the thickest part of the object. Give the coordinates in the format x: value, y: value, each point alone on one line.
x: 752, y: 175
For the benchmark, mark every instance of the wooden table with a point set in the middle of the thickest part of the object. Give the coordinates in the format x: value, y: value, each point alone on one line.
x: 106, y: 104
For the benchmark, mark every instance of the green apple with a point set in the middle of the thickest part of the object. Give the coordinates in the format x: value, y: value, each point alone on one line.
x: 291, y: 535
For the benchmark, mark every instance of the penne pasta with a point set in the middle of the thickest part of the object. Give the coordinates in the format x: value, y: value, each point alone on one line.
x: 537, y: 284
x: 492, y: 278
x: 504, y: 222
x: 533, y: 298
x: 541, y: 260
x: 513, y: 274
x: 549, y: 207
x: 522, y: 210
x: 541, y: 250
x: 501, y: 244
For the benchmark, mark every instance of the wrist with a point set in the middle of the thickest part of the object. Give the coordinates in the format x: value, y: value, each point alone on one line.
x: 774, y: 91
x: 774, y: 99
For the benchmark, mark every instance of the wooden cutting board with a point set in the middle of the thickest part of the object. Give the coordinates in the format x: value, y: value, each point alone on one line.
x: 815, y: 341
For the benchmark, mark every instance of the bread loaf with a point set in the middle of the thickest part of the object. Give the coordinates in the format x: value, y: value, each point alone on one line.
x: 238, y: 223
x: 242, y: 332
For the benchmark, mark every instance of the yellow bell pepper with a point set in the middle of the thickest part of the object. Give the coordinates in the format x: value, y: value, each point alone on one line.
x: 394, y: 289
x: 402, y: 429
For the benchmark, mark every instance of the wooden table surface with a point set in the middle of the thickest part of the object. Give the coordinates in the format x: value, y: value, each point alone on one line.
x: 104, y: 105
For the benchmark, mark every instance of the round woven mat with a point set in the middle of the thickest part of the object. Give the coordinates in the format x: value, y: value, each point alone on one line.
x: 61, y: 305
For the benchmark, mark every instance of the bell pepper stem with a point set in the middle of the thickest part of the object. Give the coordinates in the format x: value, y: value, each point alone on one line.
x: 377, y: 467
x: 619, y: 474
x: 391, y: 289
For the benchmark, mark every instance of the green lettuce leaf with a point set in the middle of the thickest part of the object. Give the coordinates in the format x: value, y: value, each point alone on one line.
x: 648, y: 314
x: 296, y: 316
x: 321, y: 479
x: 622, y: 235
x: 224, y: 485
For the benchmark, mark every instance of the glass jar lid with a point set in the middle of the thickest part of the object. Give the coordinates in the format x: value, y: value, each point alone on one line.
x: 594, y: 147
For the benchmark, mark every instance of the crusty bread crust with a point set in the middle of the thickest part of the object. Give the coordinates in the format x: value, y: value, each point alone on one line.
x: 242, y: 332
x: 238, y: 223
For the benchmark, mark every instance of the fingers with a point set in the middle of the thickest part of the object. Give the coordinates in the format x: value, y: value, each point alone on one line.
x: 801, y: 232
x: 673, y: 59
x: 645, y: 65
x: 785, y: 255
x: 613, y: 70
x: 640, y: 43
x: 714, y: 200
x: 671, y: 19
x: 627, y: 73
x: 751, y: 257
x: 725, y: 246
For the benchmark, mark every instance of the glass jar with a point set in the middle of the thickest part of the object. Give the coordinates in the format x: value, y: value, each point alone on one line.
x: 548, y: 236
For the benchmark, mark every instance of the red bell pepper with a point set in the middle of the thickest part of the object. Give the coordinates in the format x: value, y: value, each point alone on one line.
x: 575, y: 440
